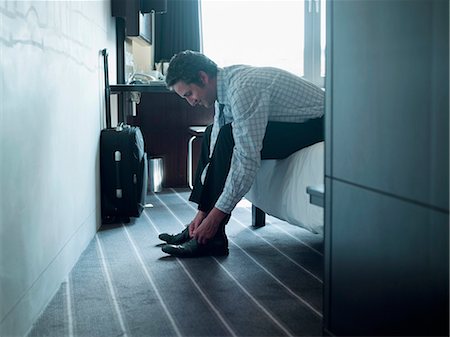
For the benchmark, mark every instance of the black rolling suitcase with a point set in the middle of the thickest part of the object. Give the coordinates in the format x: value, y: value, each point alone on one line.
x: 123, y: 166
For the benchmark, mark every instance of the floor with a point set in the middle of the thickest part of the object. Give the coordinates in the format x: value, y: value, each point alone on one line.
x: 124, y: 285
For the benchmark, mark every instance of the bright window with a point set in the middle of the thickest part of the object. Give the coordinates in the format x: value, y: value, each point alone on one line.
x: 288, y: 34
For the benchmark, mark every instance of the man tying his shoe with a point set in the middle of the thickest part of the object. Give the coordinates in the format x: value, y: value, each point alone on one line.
x: 260, y: 113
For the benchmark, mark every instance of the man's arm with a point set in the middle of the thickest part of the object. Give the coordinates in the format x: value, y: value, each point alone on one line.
x: 250, y: 113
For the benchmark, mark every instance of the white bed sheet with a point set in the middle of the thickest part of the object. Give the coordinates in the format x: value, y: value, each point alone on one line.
x: 280, y: 187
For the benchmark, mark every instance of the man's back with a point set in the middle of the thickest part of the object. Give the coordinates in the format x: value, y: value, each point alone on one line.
x: 290, y: 98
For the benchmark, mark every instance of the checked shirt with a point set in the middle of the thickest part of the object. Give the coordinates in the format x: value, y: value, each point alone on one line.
x: 250, y: 97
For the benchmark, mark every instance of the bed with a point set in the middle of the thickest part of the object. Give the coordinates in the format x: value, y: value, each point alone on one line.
x: 280, y: 188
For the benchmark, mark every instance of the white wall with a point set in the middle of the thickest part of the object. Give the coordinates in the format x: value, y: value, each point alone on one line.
x: 51, y: 114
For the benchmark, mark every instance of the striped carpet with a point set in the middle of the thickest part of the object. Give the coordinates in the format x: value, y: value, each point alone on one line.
x: 124, y: 285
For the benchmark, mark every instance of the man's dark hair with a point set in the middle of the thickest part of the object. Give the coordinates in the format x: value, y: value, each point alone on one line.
x: 185, y: 66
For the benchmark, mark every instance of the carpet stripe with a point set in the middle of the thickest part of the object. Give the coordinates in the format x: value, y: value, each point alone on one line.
x: 272, y: 318
x: 298, y: 297
x: 110, y: 286
x: 152, y: 283
x: 196, y: 285
x: 277, y: 322
x: 69, y: 307
x: 279, y: 251
x: 280, y: 228
x: 289, y: 290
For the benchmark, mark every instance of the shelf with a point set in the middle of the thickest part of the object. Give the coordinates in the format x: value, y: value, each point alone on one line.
x: 316, y: 195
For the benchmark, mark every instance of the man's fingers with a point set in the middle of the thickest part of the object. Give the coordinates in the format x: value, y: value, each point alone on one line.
x: 199, y: 237
x: 192, y: 228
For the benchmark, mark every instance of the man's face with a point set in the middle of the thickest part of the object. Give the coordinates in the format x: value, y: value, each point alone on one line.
x: 197, y: 95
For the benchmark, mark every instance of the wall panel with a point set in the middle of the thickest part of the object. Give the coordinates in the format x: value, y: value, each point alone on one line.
x: 389, y: 265
x: 387, y: 116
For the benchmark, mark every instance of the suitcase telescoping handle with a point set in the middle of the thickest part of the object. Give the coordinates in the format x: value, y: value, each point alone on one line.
x: 107, y: 89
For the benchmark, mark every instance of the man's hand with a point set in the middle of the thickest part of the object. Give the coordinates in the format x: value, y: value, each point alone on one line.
x: 209, y: 226
x: 196, y: 222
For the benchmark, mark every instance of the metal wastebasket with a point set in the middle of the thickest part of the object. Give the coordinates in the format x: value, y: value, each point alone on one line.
x: 155, y: 174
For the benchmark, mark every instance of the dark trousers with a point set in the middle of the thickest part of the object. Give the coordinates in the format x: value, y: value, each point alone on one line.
x: 280, y: 141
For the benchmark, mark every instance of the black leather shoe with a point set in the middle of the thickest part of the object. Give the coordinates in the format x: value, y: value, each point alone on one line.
x: 218, y: 246
x: 176, y: 239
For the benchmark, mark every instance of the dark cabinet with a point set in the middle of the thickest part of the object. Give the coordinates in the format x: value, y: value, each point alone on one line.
x: 137, y: 23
